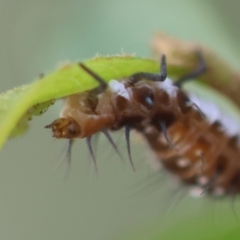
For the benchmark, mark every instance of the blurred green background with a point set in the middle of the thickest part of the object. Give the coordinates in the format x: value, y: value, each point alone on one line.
x: 35, y: 201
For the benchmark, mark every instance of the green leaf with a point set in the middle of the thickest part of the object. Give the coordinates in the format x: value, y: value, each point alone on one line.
x: 17, y: 106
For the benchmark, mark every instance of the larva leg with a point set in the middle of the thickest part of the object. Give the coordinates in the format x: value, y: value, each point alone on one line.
x: 159, y: 77
x: 165, y: 134
x: 202, y: 67
x: 89, y: 144
x: 68, y: 157
x: 127, y: 136
x: 107, y: 135
x: 198, y: 109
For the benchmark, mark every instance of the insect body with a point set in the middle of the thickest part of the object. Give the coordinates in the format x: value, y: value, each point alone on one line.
x: 198, y: 151
x: 125, y: 103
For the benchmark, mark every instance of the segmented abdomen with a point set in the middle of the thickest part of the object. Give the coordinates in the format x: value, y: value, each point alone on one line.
x: 203, y: 152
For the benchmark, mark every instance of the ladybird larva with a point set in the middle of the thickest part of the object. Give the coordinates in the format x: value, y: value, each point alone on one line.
x: 184, y: 132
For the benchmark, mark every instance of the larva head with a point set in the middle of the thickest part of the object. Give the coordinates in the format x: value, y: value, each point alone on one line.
x: 65, y: 128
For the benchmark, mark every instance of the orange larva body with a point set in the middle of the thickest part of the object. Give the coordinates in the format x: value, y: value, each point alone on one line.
x: 198, y: 151
x: 121, y: 104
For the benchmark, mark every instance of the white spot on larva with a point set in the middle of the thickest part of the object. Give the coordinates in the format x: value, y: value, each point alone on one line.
x: 213, y: 113
x: 188, y: 104
x: 100, y: 96
x: 149, y: 101
x: 196, y: 192
x: 119, y: 88
x: 95, y: 116
x: 168, y: 86
x: 218, y: 191
x: 81, y: 103
x: 198, y: 152
x: 183, y: 162
x: 149, y: 130
x: 202, y: 180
